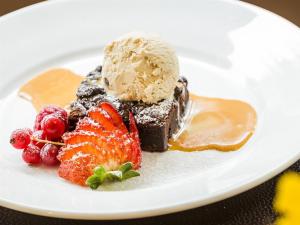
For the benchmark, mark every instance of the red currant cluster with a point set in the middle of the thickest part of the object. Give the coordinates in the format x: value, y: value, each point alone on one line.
x: 44, y: 142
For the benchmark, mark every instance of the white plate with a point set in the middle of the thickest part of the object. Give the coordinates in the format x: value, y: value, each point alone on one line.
x: 227, y: 49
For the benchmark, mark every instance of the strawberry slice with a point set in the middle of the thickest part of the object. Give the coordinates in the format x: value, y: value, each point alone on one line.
x: 102, y: 118
x: 100, y: 139
x: 77, y: 171
x: 112, y: 141
x: 84, y: 148
x: 78, y: 137
x: 136, y: 145
x: 115, y: 116
x: 88, y: 124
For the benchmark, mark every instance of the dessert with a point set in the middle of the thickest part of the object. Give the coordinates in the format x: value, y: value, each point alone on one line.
x: 156, y: 122
x: 136, y: 101
x: 139, y: 74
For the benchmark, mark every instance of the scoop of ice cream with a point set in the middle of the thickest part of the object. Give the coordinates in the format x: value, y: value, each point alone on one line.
x: 139, y: 67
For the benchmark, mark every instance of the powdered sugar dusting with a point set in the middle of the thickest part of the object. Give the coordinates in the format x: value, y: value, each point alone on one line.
x: 153, y: 112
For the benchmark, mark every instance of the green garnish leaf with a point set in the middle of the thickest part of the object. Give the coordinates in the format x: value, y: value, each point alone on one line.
x: 94, y: 181
x: 126, y: 167
x: 99, y: 171
x: 101, y: 175
x: 130, y: 174
x: 114, y: 175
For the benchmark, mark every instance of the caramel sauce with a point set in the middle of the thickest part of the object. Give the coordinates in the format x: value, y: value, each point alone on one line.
x: 56, y: 86
x: 215, y: 123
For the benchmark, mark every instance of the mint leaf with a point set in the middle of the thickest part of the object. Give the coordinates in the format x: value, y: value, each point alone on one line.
x: 94, y: 181
x: 100, y: 171
x: 130, y: 174
x: 101, y: 175
x: 114, y: 175
x: 126, y: 167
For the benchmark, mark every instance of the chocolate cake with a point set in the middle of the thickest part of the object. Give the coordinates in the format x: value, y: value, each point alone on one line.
x: 156, y: 122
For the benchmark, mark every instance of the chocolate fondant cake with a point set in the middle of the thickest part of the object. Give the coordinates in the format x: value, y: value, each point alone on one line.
x: 156, y: 122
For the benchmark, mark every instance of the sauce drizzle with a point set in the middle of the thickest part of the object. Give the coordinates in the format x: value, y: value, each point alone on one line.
x: 53, y: 87
x: 215, y: 123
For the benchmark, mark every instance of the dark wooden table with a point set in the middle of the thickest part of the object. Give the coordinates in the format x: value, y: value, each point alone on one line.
x: 253, y: 207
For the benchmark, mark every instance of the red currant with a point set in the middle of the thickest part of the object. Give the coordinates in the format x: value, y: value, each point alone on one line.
x: 63, y: 117
x: 31, y: 154
x: 20, y: 138
x: 28, y: 130
x: 39, y: 134
x: 47, y: 111
x: 53, y: 126
x: 49, y: 154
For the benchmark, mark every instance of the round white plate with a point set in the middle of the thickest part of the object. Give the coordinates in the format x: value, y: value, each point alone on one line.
x: 227, y: 49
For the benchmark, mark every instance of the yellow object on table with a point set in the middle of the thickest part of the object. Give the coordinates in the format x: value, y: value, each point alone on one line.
x: 287, y: 200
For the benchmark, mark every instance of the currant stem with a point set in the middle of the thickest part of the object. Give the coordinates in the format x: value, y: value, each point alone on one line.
x: 47, y: 142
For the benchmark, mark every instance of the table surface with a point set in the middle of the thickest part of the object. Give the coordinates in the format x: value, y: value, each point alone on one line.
x: 251, y: 207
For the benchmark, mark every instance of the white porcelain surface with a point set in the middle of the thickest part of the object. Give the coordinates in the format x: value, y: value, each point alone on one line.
x: 226, y: 49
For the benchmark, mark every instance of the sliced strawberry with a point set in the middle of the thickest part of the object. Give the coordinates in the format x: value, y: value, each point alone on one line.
x: 77, y: 171
x: 69, y: 151
x: 78, y: 161
x: 80, y: 136
x: 88, y: 124
x: 100, y: 116
x: 136, y: 158
x: 115, y: 116
x: 101, y: 138
x: 111, y: 145
x: 133, y: 128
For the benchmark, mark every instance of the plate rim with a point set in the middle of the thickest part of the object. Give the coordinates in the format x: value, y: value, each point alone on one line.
x: 117, y: 215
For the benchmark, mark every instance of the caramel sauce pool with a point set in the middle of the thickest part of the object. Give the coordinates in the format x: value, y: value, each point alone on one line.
x: 56, y: 87
x: 215, y: 123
